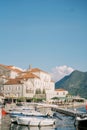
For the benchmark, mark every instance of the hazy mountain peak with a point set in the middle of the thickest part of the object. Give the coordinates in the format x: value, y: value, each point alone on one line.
x: 60, y: 71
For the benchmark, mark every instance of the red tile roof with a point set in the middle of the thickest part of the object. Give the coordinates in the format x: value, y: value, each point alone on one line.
x: 27, y: 75
x: 24, y: 75
x: 36, y: 70
x: 11, y: 68
x: 60, y: 89
x: 14, y: 69
x: 13, y: 81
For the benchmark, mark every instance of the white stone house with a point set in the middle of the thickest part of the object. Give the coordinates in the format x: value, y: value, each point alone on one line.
x: 61, y: 92
x: 27, y: 83
x: 9, y: 71
x: 58, y: 94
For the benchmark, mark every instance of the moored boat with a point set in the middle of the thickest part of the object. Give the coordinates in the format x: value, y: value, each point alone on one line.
x: 47, y: 122
x: 81, y: 120
x: 23, y: 120
x: 24, y: 114
x: 35, y: 121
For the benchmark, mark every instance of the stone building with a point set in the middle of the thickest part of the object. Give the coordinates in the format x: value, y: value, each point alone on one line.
x: 27, y: 84
x: 9, y: 71
x: 61, y: 92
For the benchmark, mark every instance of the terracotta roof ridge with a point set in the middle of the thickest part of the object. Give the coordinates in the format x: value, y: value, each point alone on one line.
x: 27, y: 75
x: 11, y: 67
x: 13, y: 81
x: 37, y: 70
x: 60, y: 89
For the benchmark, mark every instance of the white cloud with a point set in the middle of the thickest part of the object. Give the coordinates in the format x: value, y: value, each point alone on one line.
x: 60, y: 71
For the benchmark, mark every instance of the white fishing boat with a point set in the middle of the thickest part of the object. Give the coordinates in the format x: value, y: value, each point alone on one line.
x: 32, y: 113
x: 15, y: 117
x: 35, y: 121
x: 20, y: 114
x: 23, y: 120
x: 47, y: 122
x: 21, y: 109
x: 15, y: 112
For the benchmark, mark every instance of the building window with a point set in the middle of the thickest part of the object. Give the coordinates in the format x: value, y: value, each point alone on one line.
x: 63, y: 93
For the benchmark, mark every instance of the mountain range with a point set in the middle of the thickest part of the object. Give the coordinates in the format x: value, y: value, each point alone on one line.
x: 75, y: 83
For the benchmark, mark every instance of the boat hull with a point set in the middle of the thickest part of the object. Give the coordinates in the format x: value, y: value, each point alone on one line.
x: 81, y: 121
x: 34, y: 121
x: 47, y: 122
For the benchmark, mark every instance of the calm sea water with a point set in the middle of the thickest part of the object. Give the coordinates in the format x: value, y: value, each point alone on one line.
x: 65, y: 123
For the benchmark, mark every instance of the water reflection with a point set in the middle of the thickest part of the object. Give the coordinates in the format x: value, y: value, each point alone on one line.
x: 81, y: 128
x: 19, y: 127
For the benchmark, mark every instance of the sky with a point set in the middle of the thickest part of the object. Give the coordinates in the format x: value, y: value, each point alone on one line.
x: 44, y: 33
